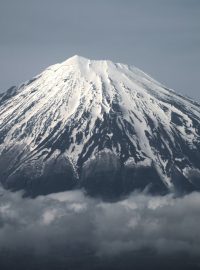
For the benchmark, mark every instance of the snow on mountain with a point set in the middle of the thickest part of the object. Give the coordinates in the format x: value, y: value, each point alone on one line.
x: 99, y: 125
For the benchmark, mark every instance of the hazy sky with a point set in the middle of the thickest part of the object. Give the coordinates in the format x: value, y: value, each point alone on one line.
x: 162, y: 37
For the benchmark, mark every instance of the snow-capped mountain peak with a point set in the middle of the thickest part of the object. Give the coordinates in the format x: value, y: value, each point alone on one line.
x: 83, y: 111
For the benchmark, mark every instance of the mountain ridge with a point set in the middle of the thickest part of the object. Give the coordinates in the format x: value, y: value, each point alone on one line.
x: 74, y: 115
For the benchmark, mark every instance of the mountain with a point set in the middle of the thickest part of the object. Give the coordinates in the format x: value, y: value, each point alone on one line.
x: 105, y: 127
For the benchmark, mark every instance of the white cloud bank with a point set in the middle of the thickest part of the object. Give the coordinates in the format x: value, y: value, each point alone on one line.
x: 71, y: 222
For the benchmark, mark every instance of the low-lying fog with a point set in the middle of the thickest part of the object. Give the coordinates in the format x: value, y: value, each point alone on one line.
x: 72, y: 231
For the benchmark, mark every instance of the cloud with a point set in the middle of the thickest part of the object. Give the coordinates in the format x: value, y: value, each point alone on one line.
x: 71, y: 223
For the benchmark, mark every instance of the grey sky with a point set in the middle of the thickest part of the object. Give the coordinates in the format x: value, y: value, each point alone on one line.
x: 162, y: 37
